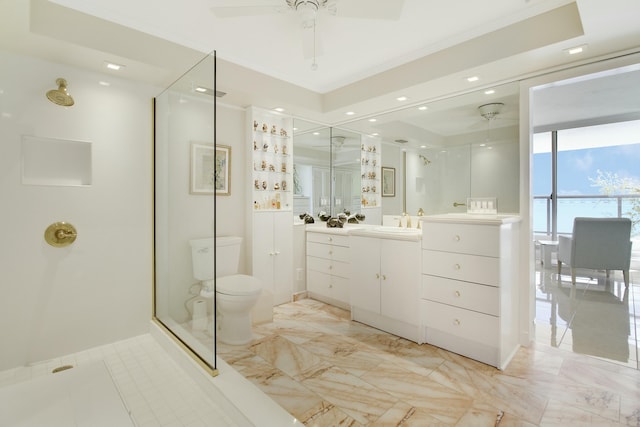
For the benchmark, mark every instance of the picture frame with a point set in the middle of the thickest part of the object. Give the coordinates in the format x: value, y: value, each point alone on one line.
x: 210, y: 169
x: 388, y: 182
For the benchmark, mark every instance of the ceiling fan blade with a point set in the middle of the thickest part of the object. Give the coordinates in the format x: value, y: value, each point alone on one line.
x: 367, y: 9
x: 235, y: 8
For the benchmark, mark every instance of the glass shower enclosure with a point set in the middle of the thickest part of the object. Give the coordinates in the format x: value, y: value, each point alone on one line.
x: 184, y: 208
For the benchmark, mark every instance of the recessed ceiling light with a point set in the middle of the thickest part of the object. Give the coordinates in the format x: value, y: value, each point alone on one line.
x: 483, y: 145
x: 103, y: 83
x: 279, y: 109
x: 375, y: 134
x: 401, y: 98
x: 424, y: 107
x: 489, y: 92
x: 295, y: 128
x: 575, y: 50
x: 316, y: 133
x: 373, y: 120
x: 349, y: 113
x: 113, y: 66
x: 473, y: 79
x: 423, y: 146
x: 201, y: 89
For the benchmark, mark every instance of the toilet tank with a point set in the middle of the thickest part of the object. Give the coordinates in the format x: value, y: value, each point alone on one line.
x: 227, y: 256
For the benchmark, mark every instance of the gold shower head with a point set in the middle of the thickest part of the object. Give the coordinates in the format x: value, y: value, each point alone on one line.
x: 60, y: 96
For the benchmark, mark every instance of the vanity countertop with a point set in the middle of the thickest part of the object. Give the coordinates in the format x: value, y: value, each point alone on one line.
x: 489, y: 219
x: 321, y: 227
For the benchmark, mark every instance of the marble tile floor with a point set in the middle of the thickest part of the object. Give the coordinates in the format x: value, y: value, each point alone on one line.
x: 329, y: 371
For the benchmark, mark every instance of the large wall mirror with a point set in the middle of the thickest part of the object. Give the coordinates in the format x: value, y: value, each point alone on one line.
x: 448, y: 150
x: 326, y: 169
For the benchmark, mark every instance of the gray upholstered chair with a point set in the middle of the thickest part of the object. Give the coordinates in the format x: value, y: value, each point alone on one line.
x: 599, y: 244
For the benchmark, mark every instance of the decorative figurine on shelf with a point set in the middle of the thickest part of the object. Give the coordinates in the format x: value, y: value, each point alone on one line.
x: 272, y: 168
x: 362, y: 147
x: 275, y: 148
x: 373, y: 188
x: 374, y: 148
x: 283, y: 132
x: 323, y: 216
x: 274, y: 130
x: 360, y: 217
x: 369, y: 149
x: 374, y: 162
x: 276, y: 186
x: 256, y: 184
x: 283, y: 168
x: 284, y: 185
x: 265, y: 146
x: 264, y: 185
x: 255, y: 145
x: 263, y: 165
x: 255, y: 125
x: 368, y: 188
x: 284, y: 149
x: 265, y: 127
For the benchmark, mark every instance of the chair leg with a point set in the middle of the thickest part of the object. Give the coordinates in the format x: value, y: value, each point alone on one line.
x: 625, y: 274
x: 559, y: 268
x: 573, y: 275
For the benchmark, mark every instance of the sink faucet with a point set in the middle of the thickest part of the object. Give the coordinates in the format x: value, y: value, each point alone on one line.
x: 420, y: 212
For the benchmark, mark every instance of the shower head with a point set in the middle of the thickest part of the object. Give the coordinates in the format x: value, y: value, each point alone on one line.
x: 60, y: 96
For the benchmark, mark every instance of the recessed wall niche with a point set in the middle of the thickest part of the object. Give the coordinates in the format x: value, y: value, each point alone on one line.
x: 60, y: 162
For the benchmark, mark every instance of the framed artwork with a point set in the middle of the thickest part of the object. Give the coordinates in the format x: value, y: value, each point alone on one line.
x: 210, y: 169
x: 388, y: 182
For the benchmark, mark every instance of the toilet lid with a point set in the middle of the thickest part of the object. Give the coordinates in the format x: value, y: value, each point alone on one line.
x: 238, y: 284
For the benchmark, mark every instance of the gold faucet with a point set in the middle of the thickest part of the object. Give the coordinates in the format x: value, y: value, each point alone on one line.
x: 420, y: 212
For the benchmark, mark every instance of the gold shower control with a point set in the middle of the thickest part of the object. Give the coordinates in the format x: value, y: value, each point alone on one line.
x: 60, y: 234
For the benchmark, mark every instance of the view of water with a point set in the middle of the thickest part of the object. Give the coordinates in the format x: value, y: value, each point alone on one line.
x: 568, y: 209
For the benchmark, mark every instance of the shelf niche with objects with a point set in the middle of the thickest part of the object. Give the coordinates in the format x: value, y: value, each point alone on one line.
x: 371, y: 177
x: 272, y: 161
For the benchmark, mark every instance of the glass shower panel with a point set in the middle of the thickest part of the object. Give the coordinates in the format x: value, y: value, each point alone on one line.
x: 185, y: 158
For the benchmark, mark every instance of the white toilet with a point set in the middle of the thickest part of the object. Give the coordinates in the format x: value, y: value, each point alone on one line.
x: 235, y: 293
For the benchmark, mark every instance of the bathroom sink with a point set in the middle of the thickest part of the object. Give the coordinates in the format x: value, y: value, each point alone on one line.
x: 391, y: 229
x: 389, y: 232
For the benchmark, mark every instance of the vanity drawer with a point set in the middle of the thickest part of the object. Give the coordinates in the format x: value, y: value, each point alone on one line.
x: 336, y: 288
x: 323, y: 250
x: 463, y: 238
x: 470, y: 268
x: 333, y: 239
x: 466, y: 324
x: 472, y: 296
x: 336, y: 268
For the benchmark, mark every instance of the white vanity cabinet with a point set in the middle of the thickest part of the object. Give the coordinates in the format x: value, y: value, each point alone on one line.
x: 328, y: 267
x: 385, y: 284
x: 469, y: 291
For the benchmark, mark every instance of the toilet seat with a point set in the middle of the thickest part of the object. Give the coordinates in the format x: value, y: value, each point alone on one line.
x: 238, y: 284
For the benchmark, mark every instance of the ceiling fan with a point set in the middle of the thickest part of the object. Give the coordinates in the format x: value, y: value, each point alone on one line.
x: 307, y: 11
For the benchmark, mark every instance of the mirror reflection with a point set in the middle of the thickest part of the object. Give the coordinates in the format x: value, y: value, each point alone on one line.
x: 447, y: 151
x: 327, y: 174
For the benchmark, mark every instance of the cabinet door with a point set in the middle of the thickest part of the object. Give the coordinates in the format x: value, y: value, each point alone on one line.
x: 263, y: 253
x: 365, y: 273
x: 283, y: 257
x: 400, y: 280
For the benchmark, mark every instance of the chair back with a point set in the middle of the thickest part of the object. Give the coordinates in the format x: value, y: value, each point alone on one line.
x: 602, y: 243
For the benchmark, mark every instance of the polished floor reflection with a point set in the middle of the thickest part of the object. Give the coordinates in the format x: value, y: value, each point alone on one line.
x: 329, y: 371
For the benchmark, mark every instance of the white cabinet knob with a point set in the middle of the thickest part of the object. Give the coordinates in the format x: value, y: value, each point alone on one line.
x: 457, y: 294
x: 277, y: 253
x: 456, y: 238
x: 330, y: 252
x: 331, y: 267
x: 377, y: 275
x: 456, y: 267
x: 456, y: 322
x: 384, y: 277
x: 330, y: 239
